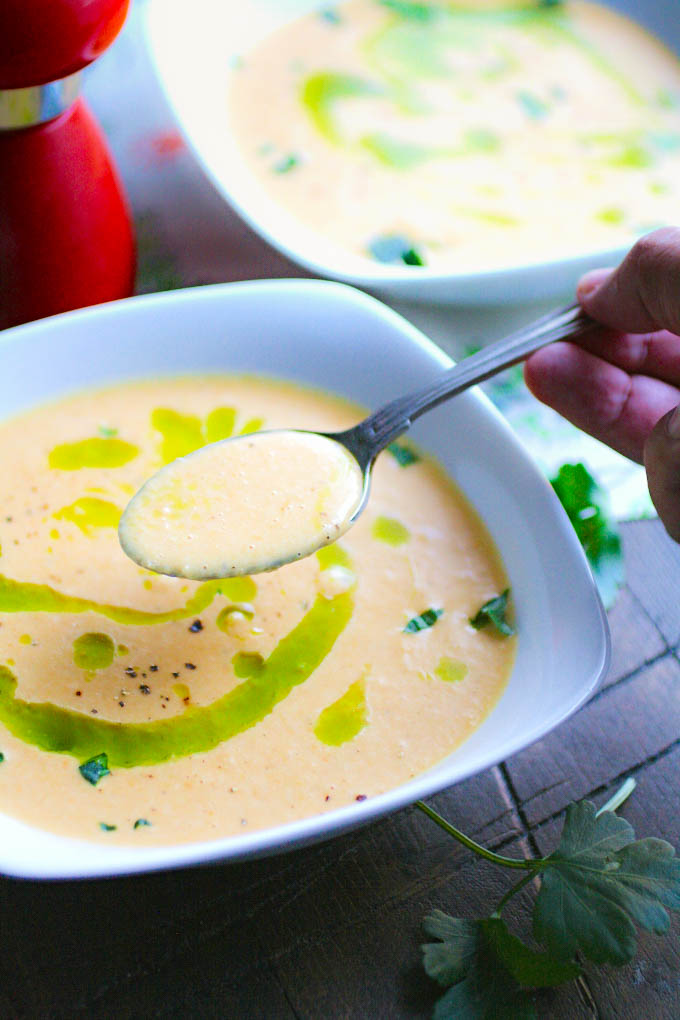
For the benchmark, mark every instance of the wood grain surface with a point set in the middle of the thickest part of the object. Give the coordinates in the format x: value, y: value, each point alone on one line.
x: 333, y: 931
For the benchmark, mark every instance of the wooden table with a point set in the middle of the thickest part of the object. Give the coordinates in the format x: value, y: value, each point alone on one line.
x: 333, y: 931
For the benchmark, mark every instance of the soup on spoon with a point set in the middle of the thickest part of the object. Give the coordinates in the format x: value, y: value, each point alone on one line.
x: 243, y: 505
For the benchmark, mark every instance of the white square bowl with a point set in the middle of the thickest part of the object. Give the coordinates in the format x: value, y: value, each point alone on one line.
x: 193, y: 47
x: 331, y: 336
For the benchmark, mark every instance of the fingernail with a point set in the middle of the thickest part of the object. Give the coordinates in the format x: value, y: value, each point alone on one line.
x: 673, y: 424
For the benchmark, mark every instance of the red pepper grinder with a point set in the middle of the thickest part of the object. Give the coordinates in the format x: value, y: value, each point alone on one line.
x: 66, y: 237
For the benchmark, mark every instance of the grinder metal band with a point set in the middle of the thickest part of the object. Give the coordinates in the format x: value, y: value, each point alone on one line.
x: 36, y: 104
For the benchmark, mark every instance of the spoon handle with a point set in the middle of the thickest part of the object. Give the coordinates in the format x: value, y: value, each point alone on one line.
x: 374, y: 433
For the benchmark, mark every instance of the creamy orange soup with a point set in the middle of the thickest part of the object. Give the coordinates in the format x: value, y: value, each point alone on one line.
x: 464, y: 135
x: 144, y: 709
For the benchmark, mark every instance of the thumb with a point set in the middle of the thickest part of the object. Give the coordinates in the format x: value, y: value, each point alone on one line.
x: 662, y: 463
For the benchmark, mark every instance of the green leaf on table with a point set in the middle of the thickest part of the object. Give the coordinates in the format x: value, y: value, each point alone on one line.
x: 486, y: 969
x: 586, y: 507
x: 493, y: 613
x: 599, y: 883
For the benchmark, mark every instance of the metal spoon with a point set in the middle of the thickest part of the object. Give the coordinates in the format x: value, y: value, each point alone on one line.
x: 370, y: 437
x: 139, y: 529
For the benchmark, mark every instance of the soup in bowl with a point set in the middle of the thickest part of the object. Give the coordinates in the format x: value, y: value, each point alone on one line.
x: 149, y: 720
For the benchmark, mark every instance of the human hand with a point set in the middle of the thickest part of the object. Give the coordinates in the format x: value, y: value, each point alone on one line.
x: 621, y: 381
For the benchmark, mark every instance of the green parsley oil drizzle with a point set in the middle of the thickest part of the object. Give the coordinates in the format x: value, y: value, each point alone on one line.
x: 198, y: 728
x: 93, y: 651
x: 345, y: 718
x: 90, y: 512
x: 92, y: 453
x: 390, y: 530
x: 451, y: 671
x: 183, y: 433
x: 27, y: 597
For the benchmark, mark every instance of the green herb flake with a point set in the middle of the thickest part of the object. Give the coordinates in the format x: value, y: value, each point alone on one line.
x: 423, y: 621
x: 286, y: 164
x: 330, y: 15
x: 2, y: 757
x: 107, y: 432
x: 395, y: 248
x: 493, y: 612
x: 95, y: 768
x: 586, y: 506
x: 141, y: 823
x: 404, y: 455
x: 532, y: 105
x: 105, y: 827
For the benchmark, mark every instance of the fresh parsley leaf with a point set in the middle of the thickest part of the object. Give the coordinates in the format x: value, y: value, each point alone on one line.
x: 2, y: 757
x: 586, y: 507
x: 140, y: 823
x: 105, y: 827
x: 95, y: 768
x: 493, y: 612
x: 404, y: 455
x: 487, y: 969
x: 426, y: 619
x: 599, y: 883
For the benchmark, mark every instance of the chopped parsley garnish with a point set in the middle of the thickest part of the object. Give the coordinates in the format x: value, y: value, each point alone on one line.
x: 95, y: 768
x: 394, y: 248
x: 105, y: 827
x: 533, y: 105
x: 426, y: 619
x: 286, y: 164
x: 412, y: 258
x: 107, y: 432
x: 493, y: 612
x: 140, y: 823
x: 2, y: 757
x: 403, y: 454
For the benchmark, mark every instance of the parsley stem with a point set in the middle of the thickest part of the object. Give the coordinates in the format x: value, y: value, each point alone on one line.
x: 615, y: 802
x: 511, y: 892
x: 489, y: 855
